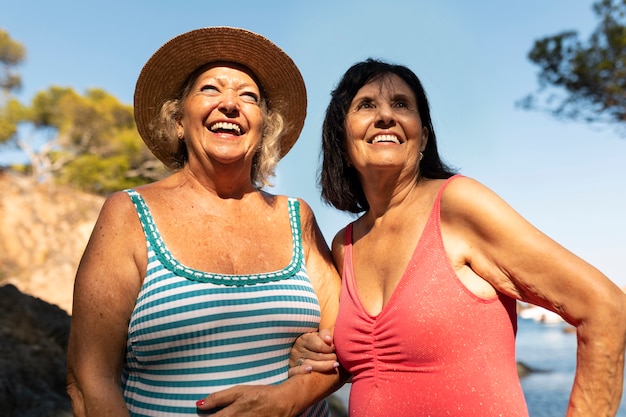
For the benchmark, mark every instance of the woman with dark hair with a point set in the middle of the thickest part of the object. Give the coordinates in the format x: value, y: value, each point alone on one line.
x: 340, y: 184
x: 432, y: 269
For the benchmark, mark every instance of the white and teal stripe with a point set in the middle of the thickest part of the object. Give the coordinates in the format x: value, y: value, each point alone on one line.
x: 193, y: 332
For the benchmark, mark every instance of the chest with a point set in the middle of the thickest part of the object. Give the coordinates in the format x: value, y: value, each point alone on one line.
x: 229, y: 243
x: 380, y: 259
x: 208, y: 325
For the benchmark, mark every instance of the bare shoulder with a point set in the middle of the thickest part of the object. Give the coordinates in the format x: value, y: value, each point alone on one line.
x: 306, y: 212
x: 118, y: 205
x: 466, y: 199
x: 338, y: 248
x: 339, y: 240
x: 464, y: 190
x: 307, y: 218
x: 117, y: 232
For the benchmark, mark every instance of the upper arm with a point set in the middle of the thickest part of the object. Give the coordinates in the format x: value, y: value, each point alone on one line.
x: 338, y: 248
x: 515, y: 257
x: 107, y: 282
x: 320, y: 267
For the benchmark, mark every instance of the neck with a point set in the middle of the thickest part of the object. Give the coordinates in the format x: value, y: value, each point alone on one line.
x: 386, y: 196
x: 224, y: 183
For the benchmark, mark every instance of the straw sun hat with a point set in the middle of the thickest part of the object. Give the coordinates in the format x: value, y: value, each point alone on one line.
x: 165, y: 72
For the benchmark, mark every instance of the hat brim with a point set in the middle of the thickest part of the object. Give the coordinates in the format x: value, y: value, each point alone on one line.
x: 163, y: 76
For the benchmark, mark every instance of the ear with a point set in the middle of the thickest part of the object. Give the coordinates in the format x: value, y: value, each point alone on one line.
x: 424, y: 138
x: 180, y: 130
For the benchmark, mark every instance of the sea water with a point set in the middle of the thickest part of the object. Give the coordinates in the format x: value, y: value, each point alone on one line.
x: 551, y: 351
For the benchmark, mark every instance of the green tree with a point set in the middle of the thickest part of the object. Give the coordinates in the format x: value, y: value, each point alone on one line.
x: 90, y: 141
x: 96, y: 145
x: 12, y: 54
x: 584, y: 81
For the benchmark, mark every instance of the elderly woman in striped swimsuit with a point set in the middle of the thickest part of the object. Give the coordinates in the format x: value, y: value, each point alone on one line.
x: 202, y: 281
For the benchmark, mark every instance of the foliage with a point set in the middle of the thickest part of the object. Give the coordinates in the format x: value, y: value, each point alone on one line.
x: 584, y: 80
x: 90, y: 140
x: 12, y: 53
x: 11, y: 111
x: 10, y: 114
x: 97, y: 147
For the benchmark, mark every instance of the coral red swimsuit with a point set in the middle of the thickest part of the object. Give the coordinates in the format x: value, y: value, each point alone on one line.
x: 435, y: 349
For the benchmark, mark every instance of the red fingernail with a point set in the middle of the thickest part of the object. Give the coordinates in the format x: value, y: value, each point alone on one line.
x: 199, y: 403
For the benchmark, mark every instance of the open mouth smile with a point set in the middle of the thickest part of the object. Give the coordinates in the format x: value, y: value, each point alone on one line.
x: 385, y: 139
x: 226, y: 127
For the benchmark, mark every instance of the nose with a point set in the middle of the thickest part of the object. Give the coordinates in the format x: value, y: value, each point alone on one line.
x: 229, y: 103
x: 385, y: 116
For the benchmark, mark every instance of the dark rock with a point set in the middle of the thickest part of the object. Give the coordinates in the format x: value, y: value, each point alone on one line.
x: 33, y: 346
x: 525, y: 370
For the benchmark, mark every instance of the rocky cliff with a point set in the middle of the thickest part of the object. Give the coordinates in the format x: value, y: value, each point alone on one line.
x: 43, y: 231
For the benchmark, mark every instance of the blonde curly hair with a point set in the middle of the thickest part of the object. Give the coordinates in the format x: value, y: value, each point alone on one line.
x: 165, y: 135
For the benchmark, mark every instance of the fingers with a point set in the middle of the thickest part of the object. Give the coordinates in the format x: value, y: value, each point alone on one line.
x: 300, y: 370
x: 301, y: 348
x: 317, y: 362
x: 244, y: 401
x: 323, y: 366
x: 326, y: 336
x: 306, y: 357
x: 207, y: 403
x: 313, y: 352
x: 217, y: 400
x: 316, y: 342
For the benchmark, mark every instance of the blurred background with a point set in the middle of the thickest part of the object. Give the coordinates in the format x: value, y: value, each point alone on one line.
x: 526, y: 97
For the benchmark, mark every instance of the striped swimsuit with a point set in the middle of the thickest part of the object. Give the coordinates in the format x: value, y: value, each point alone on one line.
x: 192, y: 333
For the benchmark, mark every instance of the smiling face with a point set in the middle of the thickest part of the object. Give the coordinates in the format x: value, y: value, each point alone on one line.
x: 222, y: 117
x: 383, y: 127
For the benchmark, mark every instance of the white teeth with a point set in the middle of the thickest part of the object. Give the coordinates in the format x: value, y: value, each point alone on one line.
x: 225, y: 126
x: 386, y: 138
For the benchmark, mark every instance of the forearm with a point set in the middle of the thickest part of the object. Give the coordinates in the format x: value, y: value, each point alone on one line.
x: 307, y: 389
x: 96, y: 400
x: 286, y: 399
x: 599, y: 376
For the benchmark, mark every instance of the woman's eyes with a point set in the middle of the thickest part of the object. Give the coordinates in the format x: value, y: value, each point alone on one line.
x: 370, y: 105
x: 246, y: 96
x: 250, y: 97
x: 365, y: 105
x: 208, y: 87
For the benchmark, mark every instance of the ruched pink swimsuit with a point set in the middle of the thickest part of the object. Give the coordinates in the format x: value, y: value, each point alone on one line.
x: 435, y: 349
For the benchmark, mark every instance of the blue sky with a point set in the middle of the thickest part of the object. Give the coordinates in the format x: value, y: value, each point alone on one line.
x: 566, y: 178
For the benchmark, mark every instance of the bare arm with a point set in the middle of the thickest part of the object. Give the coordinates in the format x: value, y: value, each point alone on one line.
x: 300, y: 391
x: 107, y: 283
x: 316, y: 351
x: 487, y: 238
